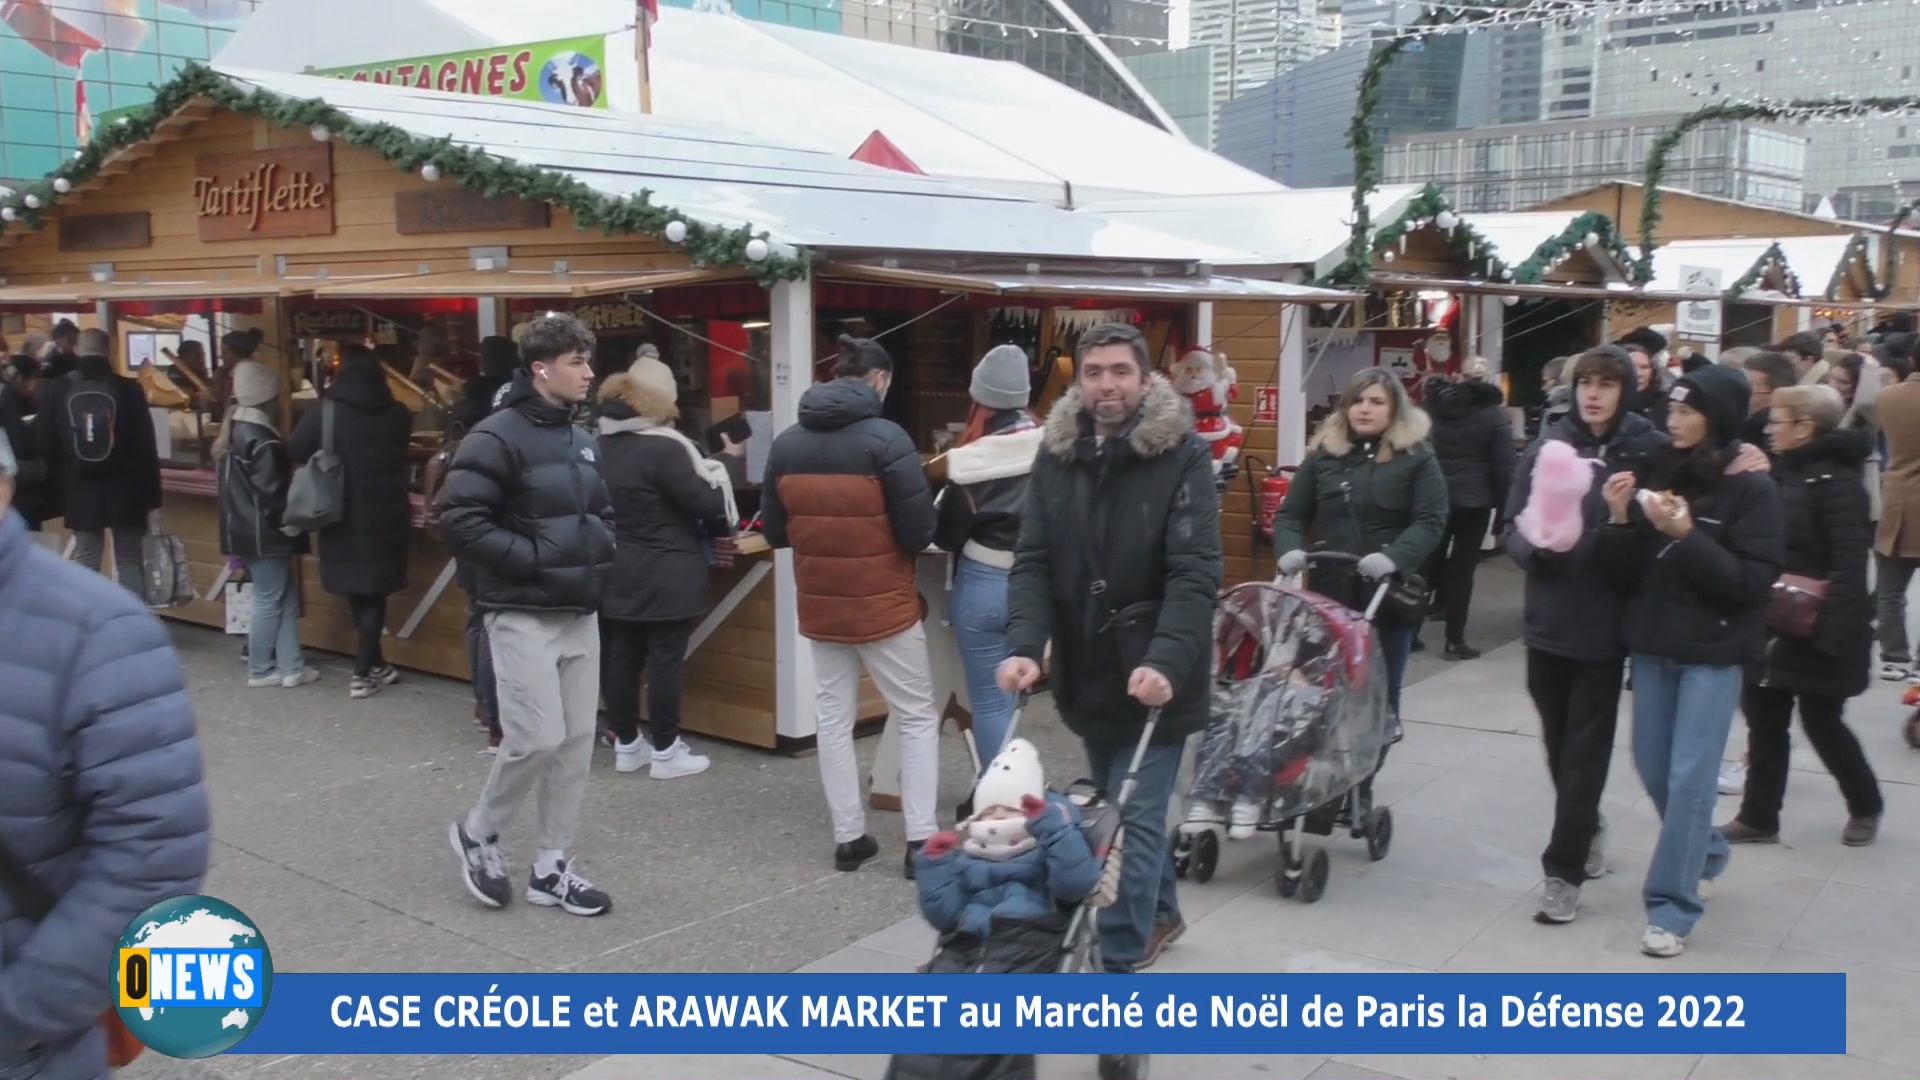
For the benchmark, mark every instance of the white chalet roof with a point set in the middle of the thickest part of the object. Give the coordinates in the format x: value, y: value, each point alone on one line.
x: 1306, y: 227
x: 728, y: 179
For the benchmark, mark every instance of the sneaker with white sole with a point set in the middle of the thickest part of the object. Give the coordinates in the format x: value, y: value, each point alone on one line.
x: 1706, y: 889
x: 261, y: 682
x: 1893, y: 672
x: 481, y: 868
x: 1246, y: 819
x: 1597, y: 853
x: 1559, y: 902
x: 567, y: 891
x: 385, y: 674
x: 361, y: 687
x: 1664, y: 944
x: 630, y: 757
x: 303, y: 677
x: 678, y: 760
x: 1733, y: 778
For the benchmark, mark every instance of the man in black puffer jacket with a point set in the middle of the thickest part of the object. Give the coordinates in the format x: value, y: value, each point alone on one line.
x: 1473, y: 440
x: 527, y: 509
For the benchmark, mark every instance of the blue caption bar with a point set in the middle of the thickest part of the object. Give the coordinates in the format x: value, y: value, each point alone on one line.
x: 1054, y: 1014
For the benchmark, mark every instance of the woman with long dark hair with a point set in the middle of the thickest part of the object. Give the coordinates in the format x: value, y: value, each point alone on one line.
x: 1370, y: 487
x: 1700, y: 550
x: 1828, y: 537
x: 979, y: 510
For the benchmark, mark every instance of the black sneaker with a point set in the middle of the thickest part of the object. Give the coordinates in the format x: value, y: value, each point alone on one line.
x: 567, y: 891
x: 481, y: 867
x: 1460, y: 650
x: 913, y: 848
x: 385, y: 675
x: 850, y: 855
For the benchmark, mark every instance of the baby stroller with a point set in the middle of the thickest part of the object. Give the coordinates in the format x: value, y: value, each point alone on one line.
x: 1298, y: 728
x: 1066, y: 943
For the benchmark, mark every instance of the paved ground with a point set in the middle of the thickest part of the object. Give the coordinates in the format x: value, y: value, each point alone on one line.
x: 330, y: 818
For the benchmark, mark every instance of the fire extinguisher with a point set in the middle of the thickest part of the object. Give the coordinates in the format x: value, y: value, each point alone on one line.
x: 1270, y: 492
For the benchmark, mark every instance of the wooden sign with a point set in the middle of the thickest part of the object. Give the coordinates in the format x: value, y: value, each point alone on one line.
x: 329, y: 324
x: 106, y: 232
x: 265, y: 194
x: 456, y: 209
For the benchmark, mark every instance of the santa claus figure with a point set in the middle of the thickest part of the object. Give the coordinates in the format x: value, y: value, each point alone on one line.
x: 1209, y: 384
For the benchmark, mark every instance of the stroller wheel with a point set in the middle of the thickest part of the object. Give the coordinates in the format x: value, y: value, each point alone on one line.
x: 1123, y: 1066
x: 1286, y: 879
x: 1379, y: 833
x: 1314, y: 884
x: 1913, y: 731
x: 1206, y: 856
x: 1182, y: 855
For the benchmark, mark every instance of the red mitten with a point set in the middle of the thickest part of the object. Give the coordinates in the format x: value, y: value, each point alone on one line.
x: 1033, y: 806
x: 939, y: 844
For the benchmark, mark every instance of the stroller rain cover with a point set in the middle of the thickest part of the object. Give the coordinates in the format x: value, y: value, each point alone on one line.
x: 1299, y: 709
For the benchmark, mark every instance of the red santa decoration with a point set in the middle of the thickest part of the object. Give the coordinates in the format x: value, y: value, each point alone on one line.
x: 1209, y: 384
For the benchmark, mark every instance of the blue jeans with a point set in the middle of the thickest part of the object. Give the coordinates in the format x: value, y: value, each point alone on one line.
x: 1681, y: 716
x: 1146, y: 871
x: 1396, y: 645
x: 978, y: 611
x: 273, y: 641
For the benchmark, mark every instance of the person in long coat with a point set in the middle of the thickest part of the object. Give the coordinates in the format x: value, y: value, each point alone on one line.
x: 363, y: 556
x: 1828, y: 536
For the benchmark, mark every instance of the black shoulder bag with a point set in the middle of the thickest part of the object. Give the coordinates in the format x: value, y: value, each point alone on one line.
x: 35, y: 901
x: 1408, y: 596
x: 1132, y: 626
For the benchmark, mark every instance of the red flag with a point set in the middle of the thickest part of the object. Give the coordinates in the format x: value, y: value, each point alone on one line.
x: 879, y: 150
x: 82, y: 116
x: 648, y: 13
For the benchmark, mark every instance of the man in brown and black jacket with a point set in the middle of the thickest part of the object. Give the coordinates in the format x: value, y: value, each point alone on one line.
x: 845, y: 490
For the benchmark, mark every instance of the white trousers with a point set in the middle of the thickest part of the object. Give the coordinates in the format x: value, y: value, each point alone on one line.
x: 900, y: 670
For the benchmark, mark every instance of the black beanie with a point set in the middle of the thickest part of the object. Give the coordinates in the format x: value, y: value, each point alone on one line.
x: 1723, y: 394
x: 1646, y: 337
x: 498, y: 357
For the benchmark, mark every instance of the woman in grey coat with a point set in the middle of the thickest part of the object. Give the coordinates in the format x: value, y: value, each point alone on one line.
x: 101, y: 797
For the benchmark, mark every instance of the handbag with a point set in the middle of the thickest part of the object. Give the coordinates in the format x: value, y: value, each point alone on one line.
x: 35, y: 901
x: 317, y: 495
x: 163, y: 555
x: 1794, y: 607
x: 1408, y: 596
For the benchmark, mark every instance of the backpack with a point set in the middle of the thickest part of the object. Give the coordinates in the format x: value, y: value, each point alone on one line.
x: 317, y: 494
x: 164, y: 556
x: 93, y: 412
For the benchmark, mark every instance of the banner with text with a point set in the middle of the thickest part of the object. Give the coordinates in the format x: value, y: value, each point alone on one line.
x: 1160, y: 1014
x: 569, y: 71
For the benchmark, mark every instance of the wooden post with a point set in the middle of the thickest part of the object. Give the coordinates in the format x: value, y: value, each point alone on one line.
x: 1290, y: 445
x: 641, y: 38
x: 794, y: 685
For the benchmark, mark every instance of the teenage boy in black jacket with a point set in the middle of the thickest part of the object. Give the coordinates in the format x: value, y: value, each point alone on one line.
x: 527, y: 509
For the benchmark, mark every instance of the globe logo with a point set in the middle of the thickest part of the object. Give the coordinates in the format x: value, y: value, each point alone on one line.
x: 192, y: 976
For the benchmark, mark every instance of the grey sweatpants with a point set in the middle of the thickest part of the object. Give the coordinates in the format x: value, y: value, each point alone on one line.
x: 547, y: 667
x: 129, y: 561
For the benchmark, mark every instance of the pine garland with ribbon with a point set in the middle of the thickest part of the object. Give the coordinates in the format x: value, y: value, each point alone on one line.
x: 1591, y: 230
x: 468, y: 166
x: 1464, y: 242
x: 1770, y: 259
x: 1797, y: 112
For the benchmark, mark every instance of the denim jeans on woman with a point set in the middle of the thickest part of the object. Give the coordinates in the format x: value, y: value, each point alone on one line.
x: 1682, y: 714
x: 978, y: 612
x: 273, y: 640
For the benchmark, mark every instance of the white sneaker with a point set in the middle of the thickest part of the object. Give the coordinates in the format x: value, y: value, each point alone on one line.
x: 1733, y: 779
x: 263, y: 681
x: 1706, y: 889
x: 1205, y: 813
x: 678, y: 760
x: 1893, y: 672
x: 630, y: 757
x: 1246, y: 820
x: 1662, y: 943
x: 303, y: 677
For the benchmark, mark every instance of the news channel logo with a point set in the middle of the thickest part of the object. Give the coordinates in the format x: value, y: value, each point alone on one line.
x: 192, y: 977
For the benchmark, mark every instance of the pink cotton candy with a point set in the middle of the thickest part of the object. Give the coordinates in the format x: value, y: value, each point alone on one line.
x: 1552, y: 519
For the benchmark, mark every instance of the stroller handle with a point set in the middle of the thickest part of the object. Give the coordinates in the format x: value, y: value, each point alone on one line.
x: 1379, y: 593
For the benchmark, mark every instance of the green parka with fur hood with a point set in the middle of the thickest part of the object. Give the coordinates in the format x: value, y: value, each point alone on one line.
x: 1360, y: 496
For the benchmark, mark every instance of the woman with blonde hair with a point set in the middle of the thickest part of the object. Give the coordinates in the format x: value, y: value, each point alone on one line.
x: 668, y: 499
x: 1370, y: 487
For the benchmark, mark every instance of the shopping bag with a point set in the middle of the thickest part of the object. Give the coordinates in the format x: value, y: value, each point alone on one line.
x: 240, y: 607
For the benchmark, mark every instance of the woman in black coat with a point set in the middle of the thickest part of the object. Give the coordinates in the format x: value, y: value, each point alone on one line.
x: 1473, y: 438
x: 1818, y: 467
x: 363, y: 556
x: 667, y: 500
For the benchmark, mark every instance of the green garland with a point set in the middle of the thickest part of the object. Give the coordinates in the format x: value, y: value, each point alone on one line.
x: 1464, y: 242
x: 468, y: 166
x: 1571, y: 241
x: 1798, y: 111
x: 1768, y: 259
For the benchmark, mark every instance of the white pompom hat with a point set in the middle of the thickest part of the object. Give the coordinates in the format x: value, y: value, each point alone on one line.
x: 1015, y: 772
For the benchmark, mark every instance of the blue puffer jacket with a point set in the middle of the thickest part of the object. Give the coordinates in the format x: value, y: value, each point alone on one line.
x: 100, y: 795
x: 966, y: 893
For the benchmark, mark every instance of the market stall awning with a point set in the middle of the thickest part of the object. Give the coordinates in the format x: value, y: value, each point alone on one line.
x: 1738, y: 266
x: 1825, y: 264
x: 186, y: 290
x: 511, y: 283
x: 1169, y: 289
x: 1552, y: 239
x: 41, y: 295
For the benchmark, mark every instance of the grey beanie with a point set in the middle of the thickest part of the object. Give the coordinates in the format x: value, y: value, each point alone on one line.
x: 1000, y: 379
